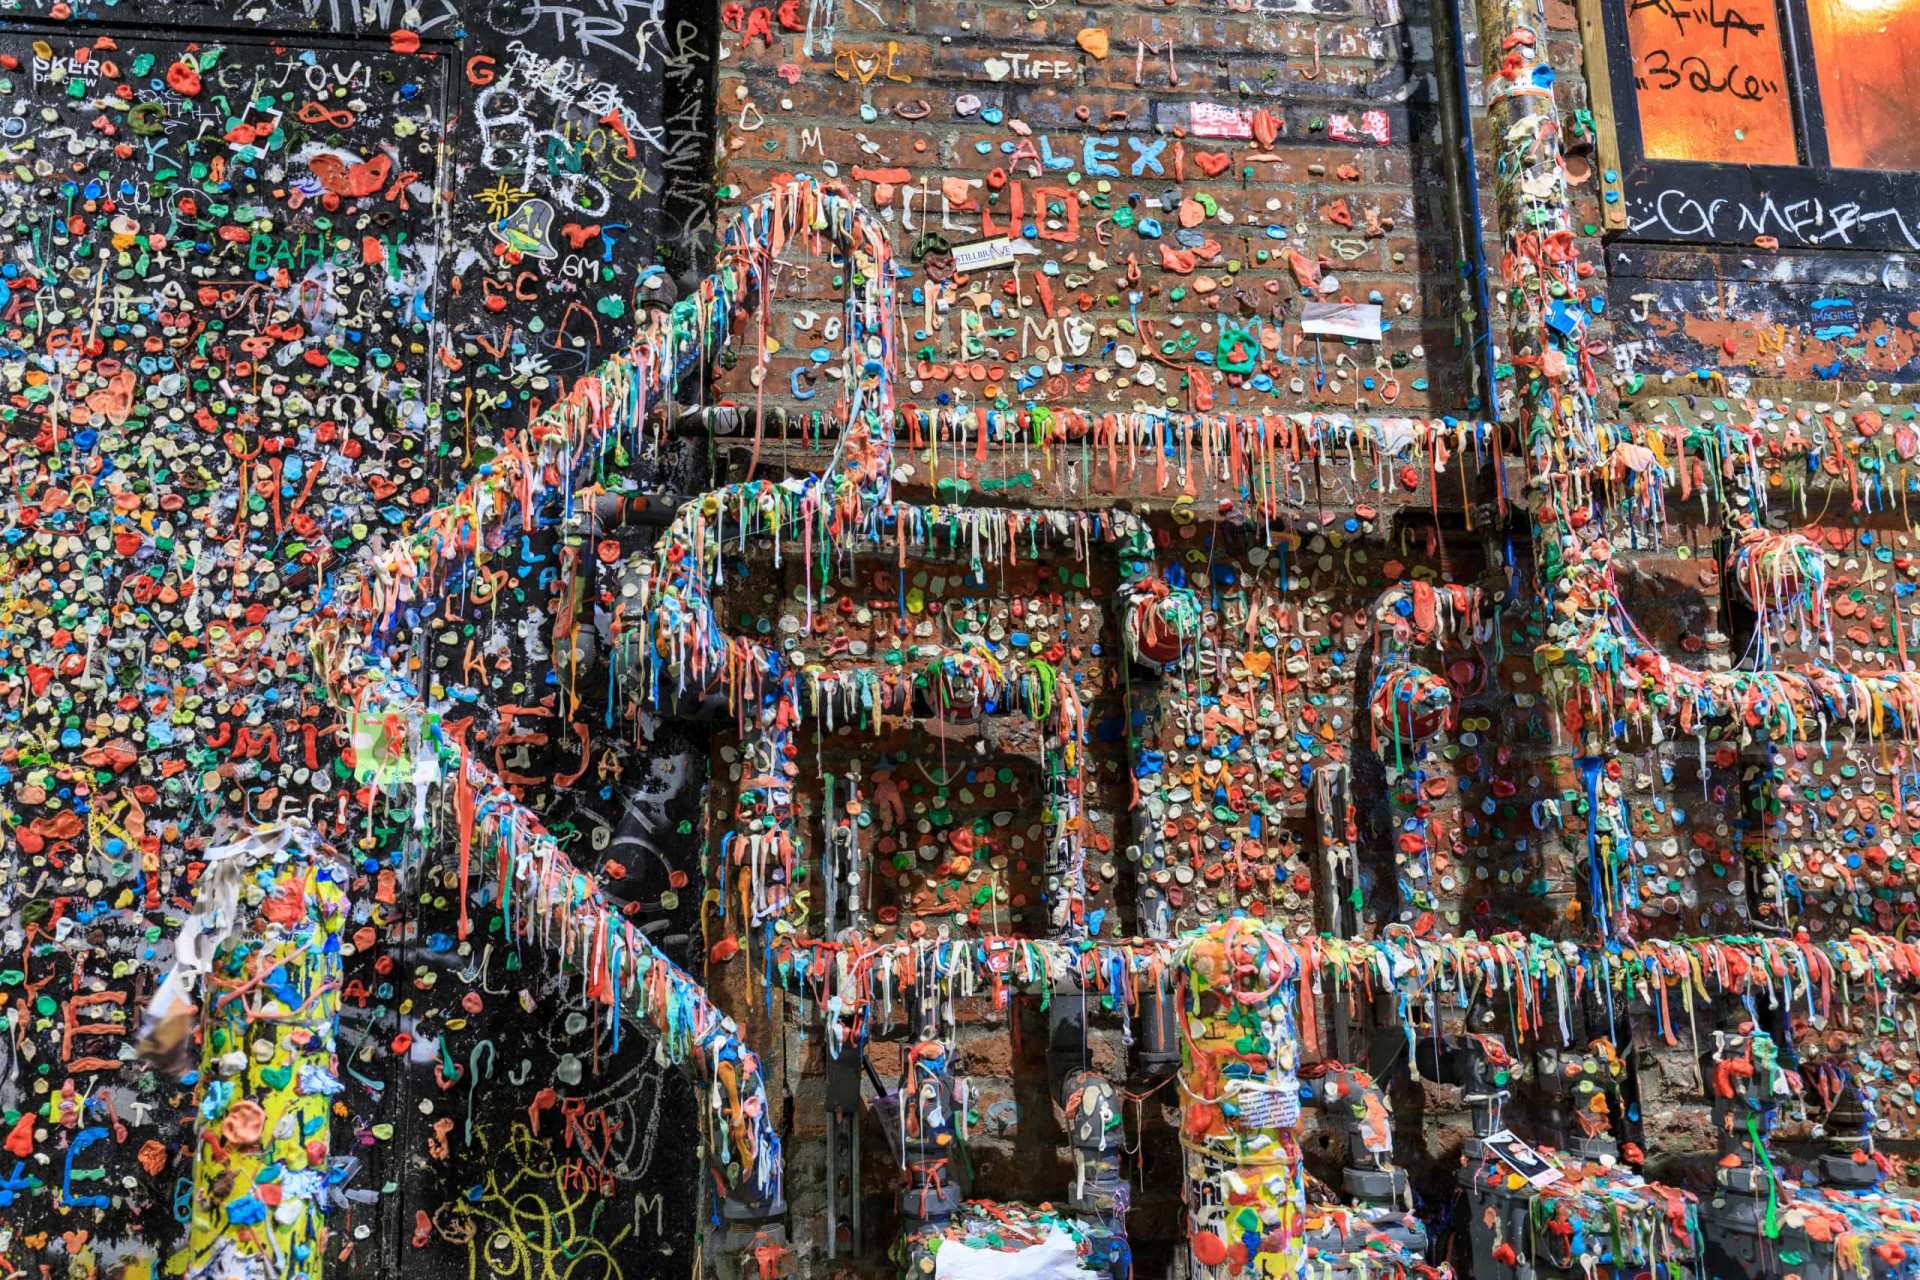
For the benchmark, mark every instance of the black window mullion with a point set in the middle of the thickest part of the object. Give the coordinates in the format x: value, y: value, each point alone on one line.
x: 1809, y: 116
x: 1626, y: 97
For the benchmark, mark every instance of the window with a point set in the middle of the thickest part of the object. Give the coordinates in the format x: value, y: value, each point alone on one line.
x: 1743, y: 121
x: 1710, y: 86
x: 1868, y: 80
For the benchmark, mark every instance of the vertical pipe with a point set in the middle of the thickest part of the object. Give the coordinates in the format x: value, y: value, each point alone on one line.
x: 1099, y: 1193
x: 859, y: 1244
x: 1463, y: 197
x: 1547, y: 328
x: 1334, y: 830
x: 1239, y: 1102
x: 1530, y: 185
x: 833, y: 1188
x: 544, y: 723
x: 266, y: 1078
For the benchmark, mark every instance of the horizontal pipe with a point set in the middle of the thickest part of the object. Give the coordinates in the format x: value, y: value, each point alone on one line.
x: 636, y: 510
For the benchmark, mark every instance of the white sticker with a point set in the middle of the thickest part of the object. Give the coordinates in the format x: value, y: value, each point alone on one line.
x: 985, y: 255
x: 1211, y: 120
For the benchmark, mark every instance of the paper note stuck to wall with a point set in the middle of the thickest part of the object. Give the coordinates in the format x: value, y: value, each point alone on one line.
x: 1342, y: 319
x: 1055, y: 1258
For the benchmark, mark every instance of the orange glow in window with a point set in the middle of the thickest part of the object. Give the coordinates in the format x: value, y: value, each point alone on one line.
x: 1868, y: 80
x: 1711, y: 82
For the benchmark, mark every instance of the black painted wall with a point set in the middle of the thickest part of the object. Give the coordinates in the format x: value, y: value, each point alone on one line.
x: 337, y: 254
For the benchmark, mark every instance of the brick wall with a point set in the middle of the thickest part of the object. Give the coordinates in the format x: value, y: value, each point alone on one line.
x: 949, y: 117
x: 963, y: 121
x: 1065, y: 106
x: 1176, y: 164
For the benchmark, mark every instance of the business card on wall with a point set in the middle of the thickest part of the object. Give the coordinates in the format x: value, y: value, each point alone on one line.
x: 1522, y: 1158
x: 983, y: 255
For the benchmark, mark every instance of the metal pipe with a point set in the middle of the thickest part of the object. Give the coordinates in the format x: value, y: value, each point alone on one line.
x: 1099, y: 1193
x: 629, y: 510
x: 262, y: 1098
x: 833, y: 1188
x: 702, y: 421
x: 1450, y: 41
x: 844, y: 1105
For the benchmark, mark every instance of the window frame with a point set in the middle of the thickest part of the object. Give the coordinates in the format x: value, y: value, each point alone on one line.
x: 1805, y: 206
